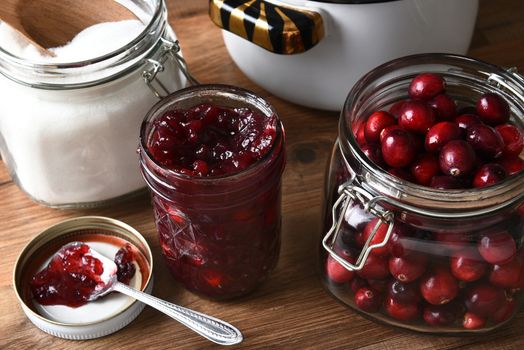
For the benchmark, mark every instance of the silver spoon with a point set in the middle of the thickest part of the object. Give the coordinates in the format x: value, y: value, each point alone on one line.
x: 216, y: 330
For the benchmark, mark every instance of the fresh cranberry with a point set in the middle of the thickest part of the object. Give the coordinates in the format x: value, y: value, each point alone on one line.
x: 467, y: 265
x: 485, y: 140
x: 401, y: 174
x: 472, y: 321
x: 440, y: 315
x: 484, y: 299
x: 399, y: 240
x: 373, y: 152
x: 446, y: 182
x: 336, y: 272
x: 124, y: 258
x: 368, y: 299
x: 505, y: 311
x: 439, y: 286
x: 360, y: 135
x: 512, y: 165
x: 457, y: 158
x: 425, y: 168
x: 417, y: 116
x: 376, y: 123
x: 497, y: 247
x: 403, y: 312
x: 404, y: 293
x: 70, y: 278
x: 398, y: 147
x: 508, y: 275
x: 378, y: 285
x: 489, y: 174
x: 426, y: 86
x: 375, y: 268
x: 440, y: 134
x: 379, y: 236
x: 445, y: 107
x: 357, y: 283
x: 453, y: 241
x: 493, y: 109
x: 407, y: 268
x: 464, y: 121
x: 396, y: 108
x: 513, y: 139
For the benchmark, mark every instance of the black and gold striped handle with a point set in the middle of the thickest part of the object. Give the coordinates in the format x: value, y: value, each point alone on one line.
x: 280, y: 29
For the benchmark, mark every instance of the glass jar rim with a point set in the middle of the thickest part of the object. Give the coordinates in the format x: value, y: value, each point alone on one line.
x: 229, y: 89
x: 129, y: 53
x: 400, y: 191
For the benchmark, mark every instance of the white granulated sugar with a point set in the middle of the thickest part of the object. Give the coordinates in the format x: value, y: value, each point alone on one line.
x: 76, y: 146
x: 97, y: 40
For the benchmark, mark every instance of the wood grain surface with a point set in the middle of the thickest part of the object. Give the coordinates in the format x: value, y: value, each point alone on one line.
x: 291, y: 310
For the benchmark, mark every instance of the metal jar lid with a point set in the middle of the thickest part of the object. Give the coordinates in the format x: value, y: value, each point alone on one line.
x: 95, y: 319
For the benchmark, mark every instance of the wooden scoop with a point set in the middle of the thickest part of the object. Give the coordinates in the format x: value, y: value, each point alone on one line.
x: 53, y: 23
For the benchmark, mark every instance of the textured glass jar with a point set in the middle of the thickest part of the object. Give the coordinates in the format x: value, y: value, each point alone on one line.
x: 68, y: 132
x: 425, y: 228
x: 220, y: 236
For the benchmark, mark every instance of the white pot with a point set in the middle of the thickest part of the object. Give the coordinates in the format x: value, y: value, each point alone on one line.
x: 358, y: 37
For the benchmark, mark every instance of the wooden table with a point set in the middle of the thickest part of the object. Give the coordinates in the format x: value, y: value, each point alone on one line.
x: 292, y: 310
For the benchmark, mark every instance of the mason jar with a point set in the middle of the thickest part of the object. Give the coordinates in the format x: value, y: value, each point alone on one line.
x: 420, y: 231
x: 219, y: 235
x: 68, y: 131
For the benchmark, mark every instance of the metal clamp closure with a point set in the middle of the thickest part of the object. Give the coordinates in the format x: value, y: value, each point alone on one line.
x: 168, y: 50
x: 351, y: 194
x: 499, y: 81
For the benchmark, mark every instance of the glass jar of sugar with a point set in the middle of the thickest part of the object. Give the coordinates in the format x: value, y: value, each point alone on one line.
x: 69, y: 131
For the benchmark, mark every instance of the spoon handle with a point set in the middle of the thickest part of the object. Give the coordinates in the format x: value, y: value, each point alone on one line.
x: 209, y: 327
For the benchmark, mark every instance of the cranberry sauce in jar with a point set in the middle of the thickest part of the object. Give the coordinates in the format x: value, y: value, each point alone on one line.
x: 424, y: 207
x: 213, y: 156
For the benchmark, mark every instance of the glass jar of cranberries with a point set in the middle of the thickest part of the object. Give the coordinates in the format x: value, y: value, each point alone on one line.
x: 424, y: 213
x: 213, y: 156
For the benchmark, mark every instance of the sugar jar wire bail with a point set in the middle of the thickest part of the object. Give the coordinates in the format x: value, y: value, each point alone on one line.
x: 168, y: 50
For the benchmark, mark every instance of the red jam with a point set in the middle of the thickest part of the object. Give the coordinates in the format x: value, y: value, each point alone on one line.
x: 71, y: 277
x: 208, y: 140
x: 219, y: 225
x: 124, y: 259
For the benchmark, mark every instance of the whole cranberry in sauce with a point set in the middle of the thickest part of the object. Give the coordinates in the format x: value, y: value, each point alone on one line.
x: 426, y: 86
x: 417, y: 116
x: 457, y: 158
x: 493, y: 109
